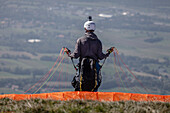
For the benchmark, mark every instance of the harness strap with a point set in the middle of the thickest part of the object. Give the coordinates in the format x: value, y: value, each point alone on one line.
x: 94, y: 63
x: 74, y: 64
x: 80, y: 82
x: 103, y: 63
x: 81, y: 78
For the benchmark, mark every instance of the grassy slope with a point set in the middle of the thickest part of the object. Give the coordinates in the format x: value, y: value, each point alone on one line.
x: 80, y: 106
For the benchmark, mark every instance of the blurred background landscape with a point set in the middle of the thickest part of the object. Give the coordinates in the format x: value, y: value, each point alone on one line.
x: 33, y: 32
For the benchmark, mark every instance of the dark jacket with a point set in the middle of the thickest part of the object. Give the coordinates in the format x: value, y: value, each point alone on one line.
x: 89, y: 46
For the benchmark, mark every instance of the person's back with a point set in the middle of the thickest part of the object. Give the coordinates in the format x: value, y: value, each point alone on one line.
x: 89, y: 51
x: 88, y: 46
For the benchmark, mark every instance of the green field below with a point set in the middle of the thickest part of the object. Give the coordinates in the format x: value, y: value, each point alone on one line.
x: 6, y: 75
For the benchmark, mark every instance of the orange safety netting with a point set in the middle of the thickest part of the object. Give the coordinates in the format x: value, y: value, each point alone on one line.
x: 100, y: 96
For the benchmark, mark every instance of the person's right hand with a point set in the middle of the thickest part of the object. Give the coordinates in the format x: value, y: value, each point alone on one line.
x: 67, y: 51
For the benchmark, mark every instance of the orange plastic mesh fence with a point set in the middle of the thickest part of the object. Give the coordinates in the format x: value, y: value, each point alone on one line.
x: 167, y: 98
x: 100, y: 96
x: 41, y: 96
x: 56, y: 96
x: 21, y: 97
x: 155, y: 98
x: 139, y: 97
x: 122, y: 96
x: 105, y: 96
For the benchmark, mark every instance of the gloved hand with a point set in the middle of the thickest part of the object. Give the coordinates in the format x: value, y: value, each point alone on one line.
x: 110, y: 50
x: 68, y: 52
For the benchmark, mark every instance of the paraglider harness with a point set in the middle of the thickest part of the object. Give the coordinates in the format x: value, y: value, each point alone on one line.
x: 88, y: 73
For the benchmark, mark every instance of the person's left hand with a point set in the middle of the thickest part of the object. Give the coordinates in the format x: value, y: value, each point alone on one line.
x: 110, y: 50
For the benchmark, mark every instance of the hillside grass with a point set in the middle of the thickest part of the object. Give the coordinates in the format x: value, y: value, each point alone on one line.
x: 81, y: 106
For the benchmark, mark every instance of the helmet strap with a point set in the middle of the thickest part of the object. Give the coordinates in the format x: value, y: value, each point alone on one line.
x: 88, y: 30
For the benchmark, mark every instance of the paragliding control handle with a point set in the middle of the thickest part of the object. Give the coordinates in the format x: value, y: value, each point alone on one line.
x: 110, y: 49
x: 67, y: 50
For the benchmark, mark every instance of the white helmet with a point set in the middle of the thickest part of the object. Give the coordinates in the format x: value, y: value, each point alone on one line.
x: 89, y: 25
